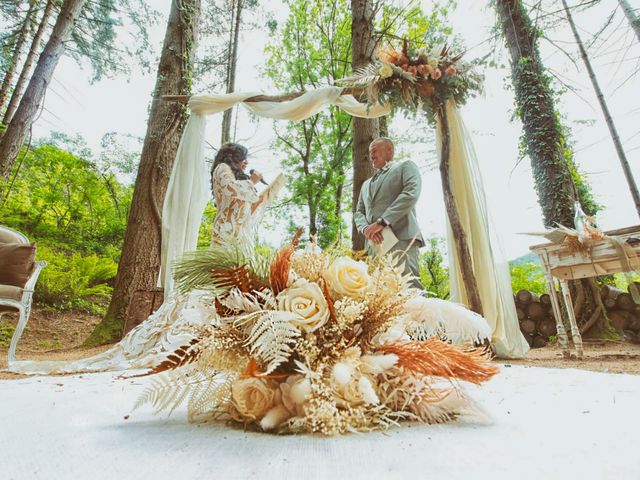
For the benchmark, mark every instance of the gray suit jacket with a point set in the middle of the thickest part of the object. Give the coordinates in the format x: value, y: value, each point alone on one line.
x: 393, y: 196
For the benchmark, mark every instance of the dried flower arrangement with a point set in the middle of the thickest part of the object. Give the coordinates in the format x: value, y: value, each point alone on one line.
x: 416, y: 77
x: 319, y: 342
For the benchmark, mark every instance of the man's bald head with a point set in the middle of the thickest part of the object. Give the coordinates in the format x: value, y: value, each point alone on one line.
x: 381, y: 152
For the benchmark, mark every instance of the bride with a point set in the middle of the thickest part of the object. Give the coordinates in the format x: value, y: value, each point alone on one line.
x: 239, y: 209
x: 238, y: 205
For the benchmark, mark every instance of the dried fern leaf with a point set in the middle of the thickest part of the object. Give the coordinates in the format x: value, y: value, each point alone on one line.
x: 169, y: 390
x: 270, y: 337
x: 179, y: 357
x: 209, y: 398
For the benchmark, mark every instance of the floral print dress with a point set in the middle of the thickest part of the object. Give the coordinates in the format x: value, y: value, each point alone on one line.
x: 235, y: 212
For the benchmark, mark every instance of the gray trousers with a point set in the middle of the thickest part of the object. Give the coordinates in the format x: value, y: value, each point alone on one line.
x: 410, y: 259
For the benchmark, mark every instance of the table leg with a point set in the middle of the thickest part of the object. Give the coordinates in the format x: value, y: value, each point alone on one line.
x: 557, y: 313
x: 575, y: 332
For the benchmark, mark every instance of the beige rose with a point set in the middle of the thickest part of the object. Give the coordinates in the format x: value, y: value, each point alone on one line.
x: 252, y: 398
x: 347, y: 277
x: 306, y: 300
x: 385, y: 70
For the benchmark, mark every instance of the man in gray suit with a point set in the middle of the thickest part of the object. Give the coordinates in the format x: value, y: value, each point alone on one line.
x: 389, y: 199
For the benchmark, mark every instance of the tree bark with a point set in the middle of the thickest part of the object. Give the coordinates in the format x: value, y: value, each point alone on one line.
x: 634, y: 20
x: 21, y: 41
x: 542, y: 132
x: 605, y: 110
x: 140, y: 260
x: 28, y: 63
x: 34, y: 95
x: 459, y: 234
x: 364, y: 130
x: 231, y: 68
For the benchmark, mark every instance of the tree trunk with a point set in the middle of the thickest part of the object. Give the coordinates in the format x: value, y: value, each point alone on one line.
x: 21, y: 41
x: 543, y: 135
x: 28, y: 63
x: 34, y: 95
x: 364, y: 130
x: 605, y: 111
x: 634, y: 20
x: 140, y: 261
x: 459, y: 234
x: 231, y: 68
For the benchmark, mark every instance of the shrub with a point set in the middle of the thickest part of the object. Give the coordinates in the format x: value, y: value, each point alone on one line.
x: 75, y: 281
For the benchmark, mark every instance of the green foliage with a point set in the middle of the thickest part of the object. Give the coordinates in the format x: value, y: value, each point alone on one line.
x: 97, y: 36
x: 74, y: 208
x: 63, y: 199
x: 75, y: 281
x: 434, y: 274
x: 6, y: 332
x: 206, y: 227
x: 312, y: 49
x: 528, y: 276
x: 622, y: 280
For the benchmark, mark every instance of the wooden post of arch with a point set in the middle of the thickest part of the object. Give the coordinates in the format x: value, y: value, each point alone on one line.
x: 459, y: 235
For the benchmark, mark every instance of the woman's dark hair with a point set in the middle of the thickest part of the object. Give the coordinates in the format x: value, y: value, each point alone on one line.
x: 232, y: 154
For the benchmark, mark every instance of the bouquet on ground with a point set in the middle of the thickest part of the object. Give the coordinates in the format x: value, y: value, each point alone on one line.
x: 310, y: 341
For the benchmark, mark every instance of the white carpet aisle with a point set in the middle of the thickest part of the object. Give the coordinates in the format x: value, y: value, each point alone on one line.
x: 551, y: 424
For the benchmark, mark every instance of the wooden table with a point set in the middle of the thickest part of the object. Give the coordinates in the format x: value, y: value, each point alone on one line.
x: 599, y: 258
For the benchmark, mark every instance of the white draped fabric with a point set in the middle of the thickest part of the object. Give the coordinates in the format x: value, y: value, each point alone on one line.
x: 491, y: 271
x: 188, y: 189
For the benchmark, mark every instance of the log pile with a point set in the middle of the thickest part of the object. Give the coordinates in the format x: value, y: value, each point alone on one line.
x: 623, y: 312
x: 536, y: 317
x: 538, y: 324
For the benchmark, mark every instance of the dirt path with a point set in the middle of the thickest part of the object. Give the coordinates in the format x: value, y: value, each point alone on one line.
x: 58, y: 336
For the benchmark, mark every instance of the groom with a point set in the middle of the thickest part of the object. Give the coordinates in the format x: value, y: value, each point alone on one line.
x: 389, y: 199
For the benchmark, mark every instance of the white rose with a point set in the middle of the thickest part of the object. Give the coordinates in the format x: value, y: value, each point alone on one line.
x: 385, y: 70
x: 347, y: 277
x: 251, y: 398
x: 307, y: 300
x: 295, y: 391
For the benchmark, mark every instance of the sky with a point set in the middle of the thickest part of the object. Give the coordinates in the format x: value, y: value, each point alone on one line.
x: 75, y: 106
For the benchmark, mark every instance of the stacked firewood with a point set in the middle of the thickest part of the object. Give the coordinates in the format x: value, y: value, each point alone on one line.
x: 538, y: 324
x: 623, y: 312
x: 536, y: 317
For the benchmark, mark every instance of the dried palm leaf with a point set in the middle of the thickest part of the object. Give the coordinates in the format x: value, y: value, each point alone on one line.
x: 436, y: 358
x: 242, y: 278
x: 281, y: 265
x: 361, y: 76
x: 193, y: 269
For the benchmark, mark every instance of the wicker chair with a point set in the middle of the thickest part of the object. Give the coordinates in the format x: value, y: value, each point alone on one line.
x: 14, y: 298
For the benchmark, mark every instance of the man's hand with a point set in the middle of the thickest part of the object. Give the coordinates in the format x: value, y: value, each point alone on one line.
x: 373, y: 232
